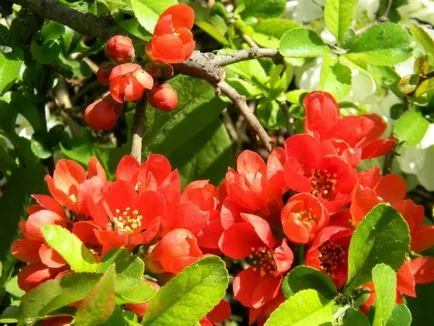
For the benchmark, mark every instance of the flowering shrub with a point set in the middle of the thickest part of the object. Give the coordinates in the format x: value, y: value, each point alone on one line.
x: 290, y: 214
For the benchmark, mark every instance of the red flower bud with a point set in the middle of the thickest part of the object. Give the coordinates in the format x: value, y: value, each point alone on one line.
x: 120, y: 49
x: 173, y: 41
x: 57, y: 321
x: 163, y: 97
x: 128, y: 82
x: 103, y: 113
x: 103, y: 73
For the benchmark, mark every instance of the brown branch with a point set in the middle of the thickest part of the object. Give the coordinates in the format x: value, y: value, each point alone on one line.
x: 137, y: 130
x: 240, y: 102
x: 207, y: 66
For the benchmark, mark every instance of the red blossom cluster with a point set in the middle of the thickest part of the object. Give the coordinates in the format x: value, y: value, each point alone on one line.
x: 308, y: 193
x: 171, y: 43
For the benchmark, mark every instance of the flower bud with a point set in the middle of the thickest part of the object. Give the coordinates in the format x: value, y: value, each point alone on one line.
x: 103, y: 73
x: 120, y: 49
x: 103, y: 113
x: 163, y: 97
x: 175, y: 251
x: 128, y: 82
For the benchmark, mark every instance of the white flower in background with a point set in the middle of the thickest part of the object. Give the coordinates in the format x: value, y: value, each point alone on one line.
x: 23, y: 128
x: 304, y: 11
x: 367, y: 7
x: 421, y: 9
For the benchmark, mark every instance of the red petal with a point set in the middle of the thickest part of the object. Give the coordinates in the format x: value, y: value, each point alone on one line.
x: 413, y: 213
x: 68, y: 175
x: 322, y: 113
x: 244, y: 286
x: 405, y: 280
x: 250, y: 163
x: 85, y: 231
x: 36, y: 221
x: 110, y: 240
x: 128, y: 169
x: 220, y: 312
x: 423, y: 269
x: 364, y: 199
x: 379, y: 126
x: 261, y: 227
x: 370, y: 178
x: 378, y: 147
x: 304, y: 149
x: 120, y: 195
x: 422, y: 238
x: 50, y: 204
x: 354, y: 129
x: 391, y: 188
x: 266, y: 289
x: 33, y: 275
x: 50, y: 257
x: 124, y: 69
x: 26, y: 250
x: 182, y: 16
x: 237, y: 241
x: 94, y: 168
x: 283, y: 257
x: 167, y: 48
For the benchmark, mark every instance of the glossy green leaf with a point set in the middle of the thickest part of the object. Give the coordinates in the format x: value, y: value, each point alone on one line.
x: 335, y: 79
x: 381, y: 237
x: 187, y: 297
x: 99, y: 303
x: 304, y: 277
x: 384, y: 278
x: 263, y: 8
x: 423, y: 37
x: 338, y: 16
x: 271, y: 114
x: 411, y: 127
x: 148, y: 11
x: 9, y: 70
x: 45, y: 53
x: 302, y: 43
x: 70, y: 247
x: 52, y: 31
x: 355, y: 317
x: 192, y: 136
x: 267, y: 32
x: 383, y: 44
x: 401, y: 316
x: 14, y: 200
x: 306, y: 307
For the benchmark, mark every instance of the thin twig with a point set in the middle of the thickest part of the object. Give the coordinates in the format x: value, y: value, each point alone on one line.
x: 92, y: 65
x: 137, y: 130
x: 243, y: 55
x: 240, y: 102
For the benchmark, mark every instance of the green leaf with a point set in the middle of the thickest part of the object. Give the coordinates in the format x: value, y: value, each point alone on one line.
x: 46, y: 53
x: 148, y: 11
x: 304, y: 277
x: 99, y: 303
x: 411, y: 128
x: 267, y: 32
x: 384, y: 278
x: 382, y: 44
x: 354, y: 317
x: 271, y: 114
x: 131, y: 266
x: 70, y: 247
x: 15, y: 199
x: 263, y: 8
x: 186, y: 298
x: 54, y: 294
x: 52, y: 31
x: 381, y: 237
x: 421, y: 36
x: 192, y: 136
x: 401, y: 316
x: 9, y: 70
x: 335, y: 79
x: 304, y: 308
x: 338, y: 16
x: 302, y: 43
x: 9, y: 315
x: 132, y: 290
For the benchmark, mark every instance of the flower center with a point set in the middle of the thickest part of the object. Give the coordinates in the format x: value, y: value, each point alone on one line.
x: 323, y: 183
x: 331, y: 256
x: 73, y: 198
x: 127, y: 221
x: 262, y: 260
x: 306, y: 216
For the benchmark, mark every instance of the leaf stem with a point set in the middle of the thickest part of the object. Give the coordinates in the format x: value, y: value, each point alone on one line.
x: 137, y: 130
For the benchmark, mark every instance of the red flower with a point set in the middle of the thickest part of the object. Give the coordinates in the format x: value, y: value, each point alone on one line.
x: 103, y: 73
x: 128, y: 82
x: 256, y: 187
x: 163, y: 97
x: 260, y: 315
x: 329, y: 253
x: 34, y: 274
x: 154, y: 174
x: 172, y: 41
x: 312, y: 167
x: 125, y: 218
x: 218, y: 314
x: 103, y: 113
x: 360, y: 134
x: 302, y: 217
x: 252, y: 239
x: 70, y: 182
x: 423, y: 269
x: 57, y: 321
x: 120, y: 49
x: 175, y: 251
x: 199, y: 213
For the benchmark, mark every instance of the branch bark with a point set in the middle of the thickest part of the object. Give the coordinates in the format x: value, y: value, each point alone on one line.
x: 137, y: 130
x: 207, y: 66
